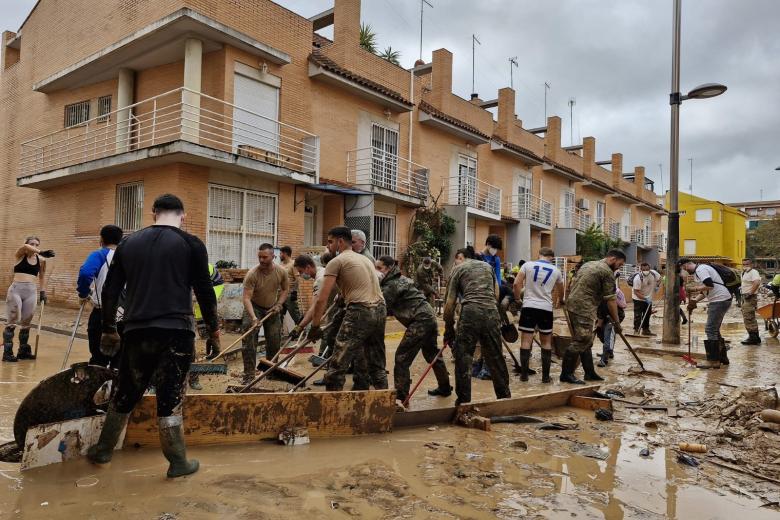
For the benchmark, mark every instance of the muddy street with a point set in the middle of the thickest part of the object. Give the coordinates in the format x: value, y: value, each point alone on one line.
x: 586, y: 468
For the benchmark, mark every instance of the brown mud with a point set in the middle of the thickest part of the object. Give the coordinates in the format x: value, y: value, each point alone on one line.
x: 444, y: 471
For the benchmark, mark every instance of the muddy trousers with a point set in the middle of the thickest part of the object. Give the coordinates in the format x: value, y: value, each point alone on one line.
x: 164, y: 355
x: 749, y: 313
x: 272, y: 329
x: 419, y: 335
x: 715, y: 314
x: 94, y: 332
x: 291, y: 306
x: 642, y: 311
x: 479, y: 325
x: 20, y: 302
x: 361, y: 338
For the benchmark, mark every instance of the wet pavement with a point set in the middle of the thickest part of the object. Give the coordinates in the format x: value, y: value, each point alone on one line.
x: 443, y: 471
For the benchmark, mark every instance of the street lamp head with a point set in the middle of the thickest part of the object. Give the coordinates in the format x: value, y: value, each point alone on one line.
x: 706, y: 90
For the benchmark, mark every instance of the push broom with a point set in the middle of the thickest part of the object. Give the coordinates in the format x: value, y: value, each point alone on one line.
x: 211, y: 367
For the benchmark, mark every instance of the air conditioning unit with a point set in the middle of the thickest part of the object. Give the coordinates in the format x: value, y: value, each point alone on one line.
x: 583, y: 204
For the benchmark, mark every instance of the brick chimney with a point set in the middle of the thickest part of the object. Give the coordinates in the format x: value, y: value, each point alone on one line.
x: 639, y: 180
x: 588, y: 156
x: 506, y: 113
x: 441, y: 70
x: 552, y: 138
x: 346, y: 29
x: 617, y: 169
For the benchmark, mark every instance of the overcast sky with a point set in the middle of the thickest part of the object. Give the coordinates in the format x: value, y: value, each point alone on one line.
x: 614, y: 57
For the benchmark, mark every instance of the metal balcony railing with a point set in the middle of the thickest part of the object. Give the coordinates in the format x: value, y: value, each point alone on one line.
x: 659, y: 240
x: 474, y: 193
x: 573, y: 218
x: 376, y: 167
x: 180, y: 114
x: 643, y: 236
x: 528, y: 205
x: 612, y: 229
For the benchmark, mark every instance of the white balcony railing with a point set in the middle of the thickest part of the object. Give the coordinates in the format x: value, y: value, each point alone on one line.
x: 373, y: 166
x: 528, y: 205
x: 612, y: 229
x: 180, y: 114
x: 659, y: 240
x: 573, y: 218
x: 474, y: 193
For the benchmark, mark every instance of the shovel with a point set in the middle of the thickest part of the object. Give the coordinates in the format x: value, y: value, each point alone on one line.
x: 633, y: 353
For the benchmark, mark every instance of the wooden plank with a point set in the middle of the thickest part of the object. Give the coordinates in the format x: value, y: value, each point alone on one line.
x: 61, y: 441
x: 241, y: 418
x: 510, y: 406
x: 669, y: 352
x: 589, y: 403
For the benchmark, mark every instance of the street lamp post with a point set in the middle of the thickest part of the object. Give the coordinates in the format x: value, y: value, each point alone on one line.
x: 671, y: 332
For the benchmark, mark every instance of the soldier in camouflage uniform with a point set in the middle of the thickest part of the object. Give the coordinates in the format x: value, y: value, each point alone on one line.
x: 424, y: 278
x: 361, y: 335
x: 475, y: 284
x: 408, y: 305
x: 594, y: 283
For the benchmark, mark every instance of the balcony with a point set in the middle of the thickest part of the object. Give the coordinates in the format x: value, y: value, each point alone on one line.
x: 573, y: 218
x: 528, y: 206
x: 178, y: 126
x: 644, y: 237
x: 480, y: 197
x: 659, y: 240
x: 388, y: 175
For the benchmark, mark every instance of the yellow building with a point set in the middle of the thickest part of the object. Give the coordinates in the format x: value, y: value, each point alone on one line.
x: 711, y: 230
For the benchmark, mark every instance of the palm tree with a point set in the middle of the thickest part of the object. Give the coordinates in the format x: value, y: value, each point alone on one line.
x: 390, y: 55
x: 367, y: 38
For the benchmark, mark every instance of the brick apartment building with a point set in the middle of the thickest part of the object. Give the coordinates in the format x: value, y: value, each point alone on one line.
x: 758, y: 212
x: 273, y: 133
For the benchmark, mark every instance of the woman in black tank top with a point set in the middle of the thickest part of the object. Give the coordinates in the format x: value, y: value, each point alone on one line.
x: 29, y: 269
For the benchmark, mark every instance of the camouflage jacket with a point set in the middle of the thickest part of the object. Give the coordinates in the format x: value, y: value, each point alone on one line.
x: 424, y: 278
x: 403, y: 299
x: 474, y: 282
x: 593, y: 283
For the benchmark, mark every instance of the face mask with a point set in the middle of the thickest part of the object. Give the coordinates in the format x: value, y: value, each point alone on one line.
x: 380, y: 274
x: 305, y: 276
x: 426, y: 266
x: 645, y: 273
x: 492, y: 251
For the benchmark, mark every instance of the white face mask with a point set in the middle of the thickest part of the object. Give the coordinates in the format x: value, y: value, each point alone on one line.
x: 380, y: 274
x: 645, y: 273
x: 492, y: 251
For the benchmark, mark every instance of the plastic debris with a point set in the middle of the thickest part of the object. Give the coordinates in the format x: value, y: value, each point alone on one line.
x: 682, y: 458
x: 602, y: 414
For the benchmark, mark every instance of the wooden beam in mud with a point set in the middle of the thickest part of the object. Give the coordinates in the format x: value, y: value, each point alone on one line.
x: 511, y: 406
x: 242, y: 418
x: 589, y: 403
x: 669, y: 352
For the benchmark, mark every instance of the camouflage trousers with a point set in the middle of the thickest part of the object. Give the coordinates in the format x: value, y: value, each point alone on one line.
x: 483, y: 326
x: 361, y: 338
x: 334, y: 319
x: 583, y: 329
x: 291, y: 306
x: 419, y: 335
x: 272, y: 329
x: 749, y: 312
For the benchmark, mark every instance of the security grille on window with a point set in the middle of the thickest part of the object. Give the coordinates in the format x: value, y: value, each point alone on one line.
x: 467, y: 180
x: 129, y: 206
x: 104, y: 108
x: 239, y: 221
x: 384, y: 156
x: 77, y: 113
x: 384, y: 236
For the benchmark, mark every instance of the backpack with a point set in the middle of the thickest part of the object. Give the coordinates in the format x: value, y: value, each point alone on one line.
x: 732, y: 279
x: 630, y: 281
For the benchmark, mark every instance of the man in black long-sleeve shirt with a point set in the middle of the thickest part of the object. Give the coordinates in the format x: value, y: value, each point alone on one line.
x: 160, y: 265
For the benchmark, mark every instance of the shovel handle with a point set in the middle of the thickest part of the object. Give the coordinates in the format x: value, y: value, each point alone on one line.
x: 641, y: 365
x: 276, y: 365
x: 241, y: 338
x: 72, y: 336
x: 40, y: 323
x: 511, y: 354
x: 422, y: 377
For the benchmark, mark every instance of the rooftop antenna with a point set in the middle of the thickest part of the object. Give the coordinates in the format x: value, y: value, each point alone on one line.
x: 512, y: 63
x: 690, y: 186
x: 661, y: 172
x: 572, y: 102
x: 546, y: 88
x: 423, y: 3
x: 474, y: 41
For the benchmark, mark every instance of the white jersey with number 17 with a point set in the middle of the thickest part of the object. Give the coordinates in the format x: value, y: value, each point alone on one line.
x: 540, y: 279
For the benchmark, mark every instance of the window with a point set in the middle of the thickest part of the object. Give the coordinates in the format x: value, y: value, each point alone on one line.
x: 384, y: 157
x: 467, y: 180
x: 239, y: 221
x: 104, y: 108
x: 752, y: 224
x: 566, y: 217
x: 704, y: 215
x: 771, y: 212
x: 753, y: 212
x: 129, y: 206
x: 384, y: 235
x: 689, y: 247
x: 77, y: 113
x: 771, y: 264
x: 601, y: 211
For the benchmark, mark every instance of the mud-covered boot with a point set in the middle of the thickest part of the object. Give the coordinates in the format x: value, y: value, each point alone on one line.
x: 723, y: 352
x: 441, y: 391
x: 568, y: 364
x: 712, y: 347
x: 8, y: 345
x: 25, y: 351
x: 525, y: 358
x: 586, y: 358
x: 102, y: 452
x: 546, y: 360
x: 752, y: 339
x: 172, y: 443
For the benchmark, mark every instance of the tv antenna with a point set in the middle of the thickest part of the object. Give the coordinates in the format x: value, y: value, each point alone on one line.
x: 474, y: 42
x: 546, y: 88
x: 572, y: 102
x: 423, y: 3
x: 512, y: 64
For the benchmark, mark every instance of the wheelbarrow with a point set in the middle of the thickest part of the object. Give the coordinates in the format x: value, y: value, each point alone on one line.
x: 771, y: 315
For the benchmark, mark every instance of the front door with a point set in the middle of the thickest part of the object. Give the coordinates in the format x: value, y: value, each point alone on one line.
x: 255, y: 117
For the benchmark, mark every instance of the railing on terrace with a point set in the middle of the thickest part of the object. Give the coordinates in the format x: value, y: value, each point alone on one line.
x: 528, y: 205
x: 180, y: 114
x: 659, y: 240
x: 612, y: 229
x: 383, y: 169
x: 474, y: 193
x: 573, y: 218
